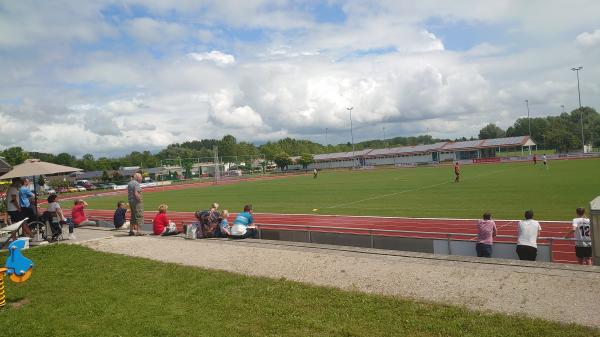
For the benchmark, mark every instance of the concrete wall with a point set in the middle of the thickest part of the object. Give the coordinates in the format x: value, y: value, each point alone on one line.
x: 434, y: 246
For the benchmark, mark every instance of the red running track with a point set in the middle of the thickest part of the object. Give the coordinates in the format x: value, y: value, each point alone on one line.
x: 458, y: 229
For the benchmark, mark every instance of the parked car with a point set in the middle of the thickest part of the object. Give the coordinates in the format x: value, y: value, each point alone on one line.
x: 63, y: 190
x: 72, y: 189
x: 86, y: 184
x: 80, y: 188
x: 50, y: 191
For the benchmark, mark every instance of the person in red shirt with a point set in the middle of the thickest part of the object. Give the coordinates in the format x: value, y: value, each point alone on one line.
x: 534, y: 159
x: 78, y: 214
x: 161, y: 224
x: 456, y: 172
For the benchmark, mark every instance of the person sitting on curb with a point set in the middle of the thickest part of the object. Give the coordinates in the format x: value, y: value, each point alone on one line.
x: 161, y: 224
x: 78, y: 214
x: 213, y: 219
x: 224, y: 229
x: 243, y: 225
x: 119, y: 216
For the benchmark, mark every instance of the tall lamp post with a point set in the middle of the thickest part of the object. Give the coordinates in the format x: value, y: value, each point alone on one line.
x: 528, y: 119
x: 577, y: 69
x: 528, y: 123
x: 352, y: 136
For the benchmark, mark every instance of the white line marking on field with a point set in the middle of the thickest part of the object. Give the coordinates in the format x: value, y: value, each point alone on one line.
x: 412, y: 190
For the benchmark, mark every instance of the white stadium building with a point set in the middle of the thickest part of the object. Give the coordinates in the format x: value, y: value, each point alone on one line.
x: 481, y: 150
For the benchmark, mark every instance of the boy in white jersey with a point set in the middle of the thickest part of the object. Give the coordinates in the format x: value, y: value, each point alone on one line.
x: 583, y: 239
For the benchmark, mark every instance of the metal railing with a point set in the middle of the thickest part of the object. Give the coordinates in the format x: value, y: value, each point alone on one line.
x: 375, y: 232
x: 372, y: 232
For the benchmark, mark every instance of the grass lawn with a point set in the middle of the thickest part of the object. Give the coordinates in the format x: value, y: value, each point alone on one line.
x: 506, y: 190
x: 75, y: 291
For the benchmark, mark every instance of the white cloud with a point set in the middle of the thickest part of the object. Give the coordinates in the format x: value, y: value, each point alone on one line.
x: 219, y: 58
x: 115, y: 82
x: 589, y: 40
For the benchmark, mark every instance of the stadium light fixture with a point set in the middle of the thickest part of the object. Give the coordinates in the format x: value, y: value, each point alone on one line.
x: 577, y: 69
x: 528, y: 119
x: 352, y: 136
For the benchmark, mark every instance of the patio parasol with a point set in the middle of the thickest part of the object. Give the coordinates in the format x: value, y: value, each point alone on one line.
x: 36, y: 167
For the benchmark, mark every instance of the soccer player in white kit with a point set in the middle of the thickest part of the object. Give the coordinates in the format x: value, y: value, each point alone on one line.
x: 583, y: 240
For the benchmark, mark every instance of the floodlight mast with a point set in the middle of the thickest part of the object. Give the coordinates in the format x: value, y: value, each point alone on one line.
x: 577, y: 69
x: 352, y: 137
x: 528, y: 122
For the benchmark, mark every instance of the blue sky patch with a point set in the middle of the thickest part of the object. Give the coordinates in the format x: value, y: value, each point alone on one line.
x: 462, y: 36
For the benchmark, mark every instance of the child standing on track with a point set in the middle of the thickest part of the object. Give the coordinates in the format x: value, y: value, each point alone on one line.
x: 583, y: 240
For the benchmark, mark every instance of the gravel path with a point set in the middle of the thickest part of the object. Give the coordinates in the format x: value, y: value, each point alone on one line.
x: 554, y: 292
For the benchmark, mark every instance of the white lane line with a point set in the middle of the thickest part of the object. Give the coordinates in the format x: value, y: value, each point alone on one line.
x: 411, y: 190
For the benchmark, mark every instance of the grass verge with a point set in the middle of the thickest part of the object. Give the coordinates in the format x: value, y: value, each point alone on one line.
x: 75, y: 291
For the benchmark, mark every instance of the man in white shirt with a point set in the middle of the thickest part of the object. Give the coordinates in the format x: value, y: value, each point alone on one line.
x: 583, y: 239
x: 528, y: 234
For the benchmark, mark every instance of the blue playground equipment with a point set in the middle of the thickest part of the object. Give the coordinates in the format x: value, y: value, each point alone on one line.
x: 18, y: 268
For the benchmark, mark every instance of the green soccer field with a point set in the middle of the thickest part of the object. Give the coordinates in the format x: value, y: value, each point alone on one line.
x: 506, y: 190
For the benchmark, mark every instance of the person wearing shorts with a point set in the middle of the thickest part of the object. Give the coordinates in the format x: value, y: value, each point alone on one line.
x: 583, y: 240
x: 456, y: 172
x: 545, y: 160
x: 528, y: 234
x: 13, y: 205
x: 486, y: 230
x: 136, y: 204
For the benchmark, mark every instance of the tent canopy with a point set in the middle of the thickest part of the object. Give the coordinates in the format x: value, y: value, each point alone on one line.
x: 36, y: 167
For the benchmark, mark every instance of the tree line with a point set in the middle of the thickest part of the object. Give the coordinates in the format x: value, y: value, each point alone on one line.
x: 562, y: 133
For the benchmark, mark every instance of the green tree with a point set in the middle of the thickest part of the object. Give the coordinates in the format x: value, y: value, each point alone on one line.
x: 282, y: 160
x: 105, y: 177
x: 15, y: 155
x: 228, y: 146
x: 187, y: 169
x: 41, y: 181
x: 65, y: 159
x: 305, y: 160
x: 491, y: 131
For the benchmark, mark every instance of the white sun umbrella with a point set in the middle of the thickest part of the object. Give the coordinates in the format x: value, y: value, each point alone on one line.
x: 36, y: 167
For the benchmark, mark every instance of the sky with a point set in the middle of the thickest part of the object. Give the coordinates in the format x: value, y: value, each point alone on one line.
x: 111, y: 77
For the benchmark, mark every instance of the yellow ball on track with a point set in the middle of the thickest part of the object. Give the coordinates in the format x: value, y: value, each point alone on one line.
x: 315, y: 209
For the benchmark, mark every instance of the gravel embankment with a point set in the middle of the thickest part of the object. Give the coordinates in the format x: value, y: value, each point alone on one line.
x: 554, y: 292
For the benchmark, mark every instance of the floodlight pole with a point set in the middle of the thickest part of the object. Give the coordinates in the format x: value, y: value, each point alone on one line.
x: 352, y: 137
x: 577, y: 69
x: 528, y: 119
x: 528, y: 122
